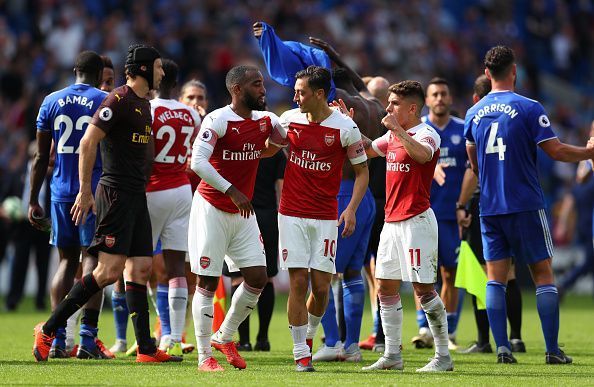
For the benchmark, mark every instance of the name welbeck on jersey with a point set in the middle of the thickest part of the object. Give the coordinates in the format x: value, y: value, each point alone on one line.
x: 307, y: 160
x: 174, y: 114
x: 76, y: 99
x: 494, y: 107
x: 249, y: 153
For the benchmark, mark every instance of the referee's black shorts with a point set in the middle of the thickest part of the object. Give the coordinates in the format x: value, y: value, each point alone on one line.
x: 268, y: 225
x: 473, y: 233
x: 123, y: 223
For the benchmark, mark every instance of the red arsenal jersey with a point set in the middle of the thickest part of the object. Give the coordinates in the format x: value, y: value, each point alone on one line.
x: 174, y: 126
x: 408, y: 183
x: 236, y: 145
x: 314, y: 165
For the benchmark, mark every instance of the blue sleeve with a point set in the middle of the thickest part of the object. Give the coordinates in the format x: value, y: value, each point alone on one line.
x: 540, y: 124
x: 468, y: 127
x: 284, y: 59
x: 42, y: 117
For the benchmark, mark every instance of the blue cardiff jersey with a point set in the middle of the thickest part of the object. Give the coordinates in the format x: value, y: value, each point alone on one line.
x: 506, y: 128
x: 453, y: 153
x: 66, y: 113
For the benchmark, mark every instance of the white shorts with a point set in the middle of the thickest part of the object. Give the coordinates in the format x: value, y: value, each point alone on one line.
x: 307, y: 243
x: 170, y: 214
x: 407, y: 250
x: 216, y: 235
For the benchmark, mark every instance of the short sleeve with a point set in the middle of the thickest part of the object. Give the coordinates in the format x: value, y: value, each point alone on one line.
x: 351, y: 140
x: 210, y: 131
x: 540, y: 124
x: 284, y: 121
x: 468, y: 129
x: 42, y: 117
x: 278, y: 134
x: 380, y: 144
x: 429, y: 138
x: 108, y: 113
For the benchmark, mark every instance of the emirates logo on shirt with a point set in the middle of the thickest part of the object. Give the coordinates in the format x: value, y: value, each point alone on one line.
x: 329, y: 139
x: 204, y: 262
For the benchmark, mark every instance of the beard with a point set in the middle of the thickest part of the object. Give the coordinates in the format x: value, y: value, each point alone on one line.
x: 254, y: 103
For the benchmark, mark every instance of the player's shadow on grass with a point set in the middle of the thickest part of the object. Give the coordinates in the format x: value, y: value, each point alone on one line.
x: 76, y: 363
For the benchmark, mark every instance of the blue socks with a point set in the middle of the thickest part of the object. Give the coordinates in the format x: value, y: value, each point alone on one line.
x: 496, y: 310
x: 422, y: 319
x: 354, y: 302
x: 329, y: 322
x: 547, y: 303
x: 120, y: 314
x: 163, y: 308
x: 88, y: 334
x: 60, y: 338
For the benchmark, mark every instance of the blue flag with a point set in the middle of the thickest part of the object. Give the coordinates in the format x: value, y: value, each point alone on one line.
x: 284, y: 59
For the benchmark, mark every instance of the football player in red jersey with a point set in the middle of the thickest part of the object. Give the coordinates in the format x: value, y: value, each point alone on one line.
x: 320, y: 140
x: 225, y: 155
x: 408, y: 243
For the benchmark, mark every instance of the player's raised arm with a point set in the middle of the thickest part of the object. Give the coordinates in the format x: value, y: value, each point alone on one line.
x: 88, y: 154
x: 277, y: 139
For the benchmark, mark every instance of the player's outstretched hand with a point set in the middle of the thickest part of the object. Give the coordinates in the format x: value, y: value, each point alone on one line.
x: 258, y: 29
x: 341, y: 106
x: 82, y: 205
x: 439, y: 174
x: 35, y: 214
x: 241, y: 201
x: 350, y: 221
x: 328, y: 49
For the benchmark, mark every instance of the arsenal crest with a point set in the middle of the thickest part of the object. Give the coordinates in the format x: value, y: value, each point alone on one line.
x: 329, y: 139
x: 109, y: 241
x: 262, y: 126
x: 204, y: 262
x: 285, y: 254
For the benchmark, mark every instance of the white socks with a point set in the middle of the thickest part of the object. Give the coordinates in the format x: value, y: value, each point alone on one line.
x: 203, y: 313
x: 300, y: 348
x: 71, y: 324
x: 243, y: 302
x: 312, y: 325
x: 391, y: 312
x: 178, y: 300
x: 438, y: 322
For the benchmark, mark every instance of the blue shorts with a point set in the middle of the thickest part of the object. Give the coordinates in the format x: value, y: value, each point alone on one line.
x: 351, y: 251
x: 448, y: 243
x: 523, y: 235
x: 158, y: 249
x: 64, y: 232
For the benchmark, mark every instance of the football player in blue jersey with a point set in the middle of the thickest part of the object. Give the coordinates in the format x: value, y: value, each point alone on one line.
x: 63, y: 118
x: 503, y: 131
x: 444, y: 193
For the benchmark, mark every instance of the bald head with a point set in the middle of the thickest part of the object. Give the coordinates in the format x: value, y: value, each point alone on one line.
x: 378, y: 87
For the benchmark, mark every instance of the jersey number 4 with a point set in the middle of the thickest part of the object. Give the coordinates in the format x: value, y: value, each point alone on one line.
x: 163, y: 156
x: 64, y: 123
x: 491, y: 147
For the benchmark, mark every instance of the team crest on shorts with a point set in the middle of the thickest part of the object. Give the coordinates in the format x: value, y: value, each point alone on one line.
x: 262, y: 126
x: 285, y: 254
x: 204, y: 262
x: 329, y: 139
x: 110, y: 241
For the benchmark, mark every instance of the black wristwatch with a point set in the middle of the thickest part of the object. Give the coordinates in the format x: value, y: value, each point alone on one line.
x: 460, y: 206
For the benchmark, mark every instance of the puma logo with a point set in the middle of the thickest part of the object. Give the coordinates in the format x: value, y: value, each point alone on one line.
x: 297, y: 132
x: 137, y: 110
x: 235, y: 130
x: 416, y: 270
x: 118, y: 97
x: 249, y: 307
x: 209, y: 315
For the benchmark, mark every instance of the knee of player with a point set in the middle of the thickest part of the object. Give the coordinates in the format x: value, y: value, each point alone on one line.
x: 257, y: 282
x: 448, y: 275
x: 320, y: 290
x: 106, y: 275
x: 425, y: 293
x: 351, y: 273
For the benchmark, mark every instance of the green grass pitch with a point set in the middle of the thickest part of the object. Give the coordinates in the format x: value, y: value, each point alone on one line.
x: 17, y: 366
